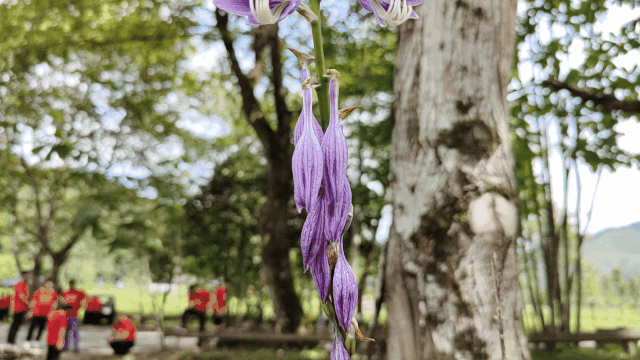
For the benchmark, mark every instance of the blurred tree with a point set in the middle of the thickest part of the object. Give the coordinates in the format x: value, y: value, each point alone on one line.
x: 569, y: 109
x: 455, y: 205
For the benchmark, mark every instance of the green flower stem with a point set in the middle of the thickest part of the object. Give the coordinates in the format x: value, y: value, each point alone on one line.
x: 323, y: 90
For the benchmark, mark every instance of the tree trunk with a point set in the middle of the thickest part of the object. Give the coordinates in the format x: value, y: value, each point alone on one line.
x: 276, y: 268
x: 455, y: 202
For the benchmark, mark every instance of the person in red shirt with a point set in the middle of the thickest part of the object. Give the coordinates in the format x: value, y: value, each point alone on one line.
x: 5, y: 304
x: 124, y: 335
x: 41, y: 304
x: 76, y: 299
x: 219, y: 303
x: 198, y: 302
x: 92, y: 312
x: 56, y: 326
x: 20, y: 305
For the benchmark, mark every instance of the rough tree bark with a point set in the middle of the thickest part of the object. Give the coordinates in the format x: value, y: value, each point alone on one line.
x: 273, y: 217
x: 455, y: 202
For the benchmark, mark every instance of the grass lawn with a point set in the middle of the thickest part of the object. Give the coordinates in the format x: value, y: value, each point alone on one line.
x: 610, y: 352
x: 607, y: 318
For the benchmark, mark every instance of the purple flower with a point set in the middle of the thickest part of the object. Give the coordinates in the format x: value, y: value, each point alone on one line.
x: 307, y: 162
x: 305, y: 60
x: 320, y: 269
x: 338, y: 352
x: 392, y: 13
x: 259, y: 11
x: 337, y: 213
x: 334, y: 146
x: 312, y: 235
x: 345, y: 290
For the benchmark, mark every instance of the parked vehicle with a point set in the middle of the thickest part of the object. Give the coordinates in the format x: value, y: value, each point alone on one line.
x: 100, y: 306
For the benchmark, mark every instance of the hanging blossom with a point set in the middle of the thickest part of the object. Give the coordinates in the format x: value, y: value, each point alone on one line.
x: 305, y: 60
x: 264, y: 12
x: 338, y: 351
x: 307, y: 163
x: 334, y: 181
x: 392, y: 13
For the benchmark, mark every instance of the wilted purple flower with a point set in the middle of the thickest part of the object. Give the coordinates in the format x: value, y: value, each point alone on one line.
x: 307, y: 162
x: 312, y: 235
x: 394, y: 12
x: 305, y: 60
x: 338, y: 352
x: 345, y: 290
x: 334, y: 146
x: 320, y: 269
x: 263, y: 11
x: 337, y: 213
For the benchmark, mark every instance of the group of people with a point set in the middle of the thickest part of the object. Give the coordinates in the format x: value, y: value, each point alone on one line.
x: 59, y: 314
x: 201, y: 301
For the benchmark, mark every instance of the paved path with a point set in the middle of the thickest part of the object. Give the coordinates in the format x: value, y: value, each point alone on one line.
x: 93, y: 339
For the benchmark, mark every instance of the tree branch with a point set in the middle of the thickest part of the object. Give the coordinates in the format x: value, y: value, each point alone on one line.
x: 250, y: 105
x: 606, y: 101
x: 284, y: 115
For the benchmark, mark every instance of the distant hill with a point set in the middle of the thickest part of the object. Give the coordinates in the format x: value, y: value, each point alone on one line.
x: 615, y: 247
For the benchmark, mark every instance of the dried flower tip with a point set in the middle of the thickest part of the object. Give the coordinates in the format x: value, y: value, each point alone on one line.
x: 344, y: 113
x: 311, y: 82
x: 332, y: 74
x: 305, y: 11
x: 359, y: 333
x: 304, y: 58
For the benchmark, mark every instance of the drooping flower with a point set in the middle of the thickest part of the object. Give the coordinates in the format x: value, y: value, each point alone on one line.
x: 307, y: 162
x: 337, y: 213
x: 338, y: 352
x: 312, y: 236
x: 345, y: 290
x: 305, y: 60
x: 392, y: 13
x: 334, y: 146
x: 320, y: 270
x: 264, y: 12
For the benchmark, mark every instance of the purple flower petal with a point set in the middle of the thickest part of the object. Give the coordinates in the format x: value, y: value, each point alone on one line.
x: 307, y: 162
x: 337, y: 213
x: 317, y: 129
x: 338, y: 352
x: 334, y: 150
x: 240, y: 7
x: 312, y: 235
x: 320, y: 270
x: 345, y: 291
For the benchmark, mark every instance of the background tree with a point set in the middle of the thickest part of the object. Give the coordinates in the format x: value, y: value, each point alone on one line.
x: 455, y: 201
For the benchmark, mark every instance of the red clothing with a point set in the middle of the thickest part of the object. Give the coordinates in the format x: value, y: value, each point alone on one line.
x: 126, y: 325
x: 56, y: 321
x: 5, y: 302
x: 204, y: 298
x: 21, y: 288
x: 94, y: 304
x: 44, y: 299
x: 74, y: 298
x: 221, y: 296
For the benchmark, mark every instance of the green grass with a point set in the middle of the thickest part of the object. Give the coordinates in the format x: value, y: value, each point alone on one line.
x: 610, y: 352
x: 608, y: 318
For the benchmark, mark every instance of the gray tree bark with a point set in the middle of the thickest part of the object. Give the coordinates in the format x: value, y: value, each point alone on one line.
x: 455, y: 202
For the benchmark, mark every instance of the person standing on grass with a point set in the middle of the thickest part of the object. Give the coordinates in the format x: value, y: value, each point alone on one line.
x: 124, y: 335
x: 5, y: 304
x: 20, y: 305
x: 198, y: 302
x: 56, y: 326
x: 219, y: 303
x: 76, y: 299
x: 41, y: 304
